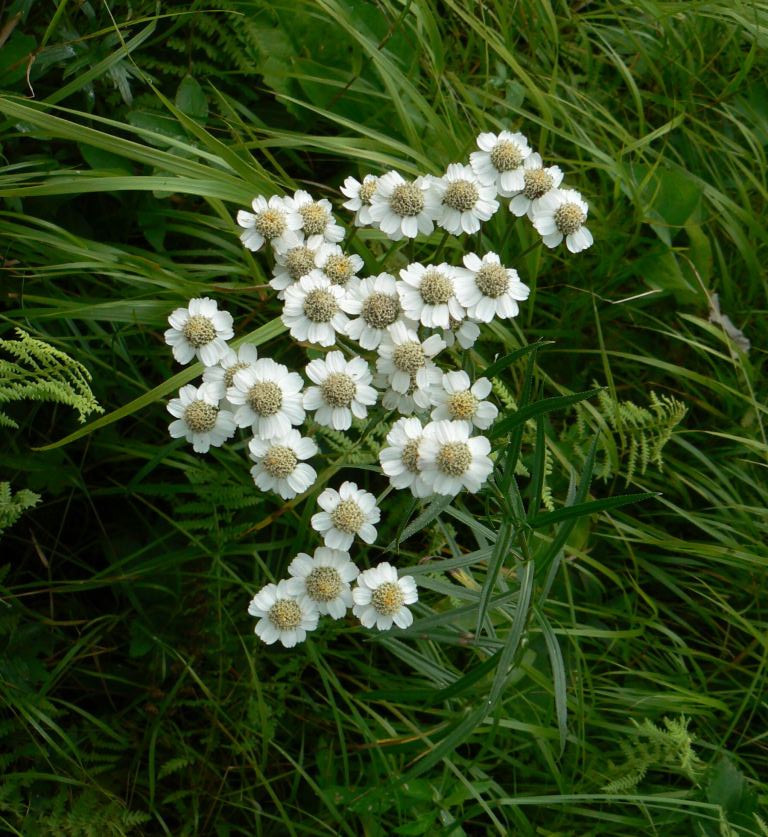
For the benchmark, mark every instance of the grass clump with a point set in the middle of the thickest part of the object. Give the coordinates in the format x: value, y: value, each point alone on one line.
x: 133, y: 690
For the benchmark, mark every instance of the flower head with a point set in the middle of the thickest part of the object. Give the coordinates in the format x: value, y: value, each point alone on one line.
x: 450, y: 460
x: 268, y: 398
x: 336, y: 265
x: 537, y: 181
x: 360, y: 195
x: 199, y: 330
x: 199, y: 419
x: 222, y: 376
x: 381, y: 598
x: 375, y: 304
x: 323, y: 580
x: 347, y: 512
x: 278, y: 465
x: 464, y: 200
x: 343, y: 390
x: 428, y: 294
x: 487, y: 289
x: 406, y: 360
x: 313, y: 217
x: 269, y: 222
x: 294, y: 258
x: 463, y: 332
x: 313, y: 309
x: 500, y: 160
x: 562, y: 213
x: 404, y: 208
x: 400, y: 460
x: 460, y: 400
x: 282, y: 616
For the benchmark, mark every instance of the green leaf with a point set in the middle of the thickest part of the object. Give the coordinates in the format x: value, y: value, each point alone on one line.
x: 493, y: 369
x: 592, y: 507
x: 498, y: 556
x: 191, y: 99
x: 15, y: 56
x: 728, y: 788
x: 435, y: 508
x: 558, y: 676
x: 545, y: 405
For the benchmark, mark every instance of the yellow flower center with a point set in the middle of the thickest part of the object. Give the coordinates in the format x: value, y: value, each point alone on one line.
x: 338, y: 389
x: 324, y: 584
x: 454, y: 458
x: 407, y: 200
x: 348, y: 517
x: 279, y: 462
x: 199, y: 331
x: 265, y: 398
x: 285, y: 614
x: 387, y: 598
x: 200, y: 417
x: 461, y: 195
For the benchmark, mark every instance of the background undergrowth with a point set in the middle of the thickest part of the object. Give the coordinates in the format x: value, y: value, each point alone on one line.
x: 135, y: 698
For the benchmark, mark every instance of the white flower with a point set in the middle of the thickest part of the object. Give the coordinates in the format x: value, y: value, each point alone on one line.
x: 269, y: 221
x: 313, y: 217
x: 561, y: 213
x: 281, y: 615
x: 199, y: 330
x: 405, y: 360
x: 464, y: 200
x: 465, y: 333
x: 381, y: 598
x: 313, y: 309
x: 450, y: 460
x: 500, y: 160
x: 413, y: 401
x: 278, y: 467
x: 400, y: 461
x: 460, y: 400
x: 404, y: 209
x: 343, y: 390
x: 294, y: 258
x: 222, y: 376
x: 347, y: 512
x: 487, y: 289
x: 427, y: 294
x: 268, y: 398
x: 360, y: 195
x: 199, y: 418
x: 537, y: 181
x: 375, y: 303
x: 324, y: 580
x: 336, y: 265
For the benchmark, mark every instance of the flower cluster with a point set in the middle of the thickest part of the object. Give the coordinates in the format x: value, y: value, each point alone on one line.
x: 381, y: 339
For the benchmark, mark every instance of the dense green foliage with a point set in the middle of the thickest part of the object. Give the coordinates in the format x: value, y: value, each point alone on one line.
x: 630, y: 696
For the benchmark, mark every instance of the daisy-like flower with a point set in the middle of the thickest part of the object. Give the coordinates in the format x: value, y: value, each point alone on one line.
x: 400, y: 461
x: 561, y: 213
x: 415, y: 399
x: 464, y: 200
x: 460, y: 400
x: 199, y: 330
x: 334, y: 263
x: 313, y: 309
x: 345, y: 513
x: 267, y: 397
x: 269, y: 222
x: 324, y: 580
x: 487, y: 289
x: 537, y: 181
x: 294, y: 258
x: 428, y: 295
x: 500, y: 160
x: 450, y: 460
x: 281, y: 615
x: 343, y: 390
x: 199, y: 419
x: 381, y: 598
x: 360, y: 195
x: 463, y: 332
x: 375, y: 304
x: 404, y: 208
x: 222, y: 376
x: 278, y: 467
x: 405, y: 360
x: 313, y: 217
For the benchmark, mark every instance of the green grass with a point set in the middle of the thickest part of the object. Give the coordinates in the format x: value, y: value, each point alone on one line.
x: 135, y: 696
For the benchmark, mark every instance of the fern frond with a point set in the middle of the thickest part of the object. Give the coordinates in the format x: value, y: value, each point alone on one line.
x: 40, y: 372
x: 12, y: 506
